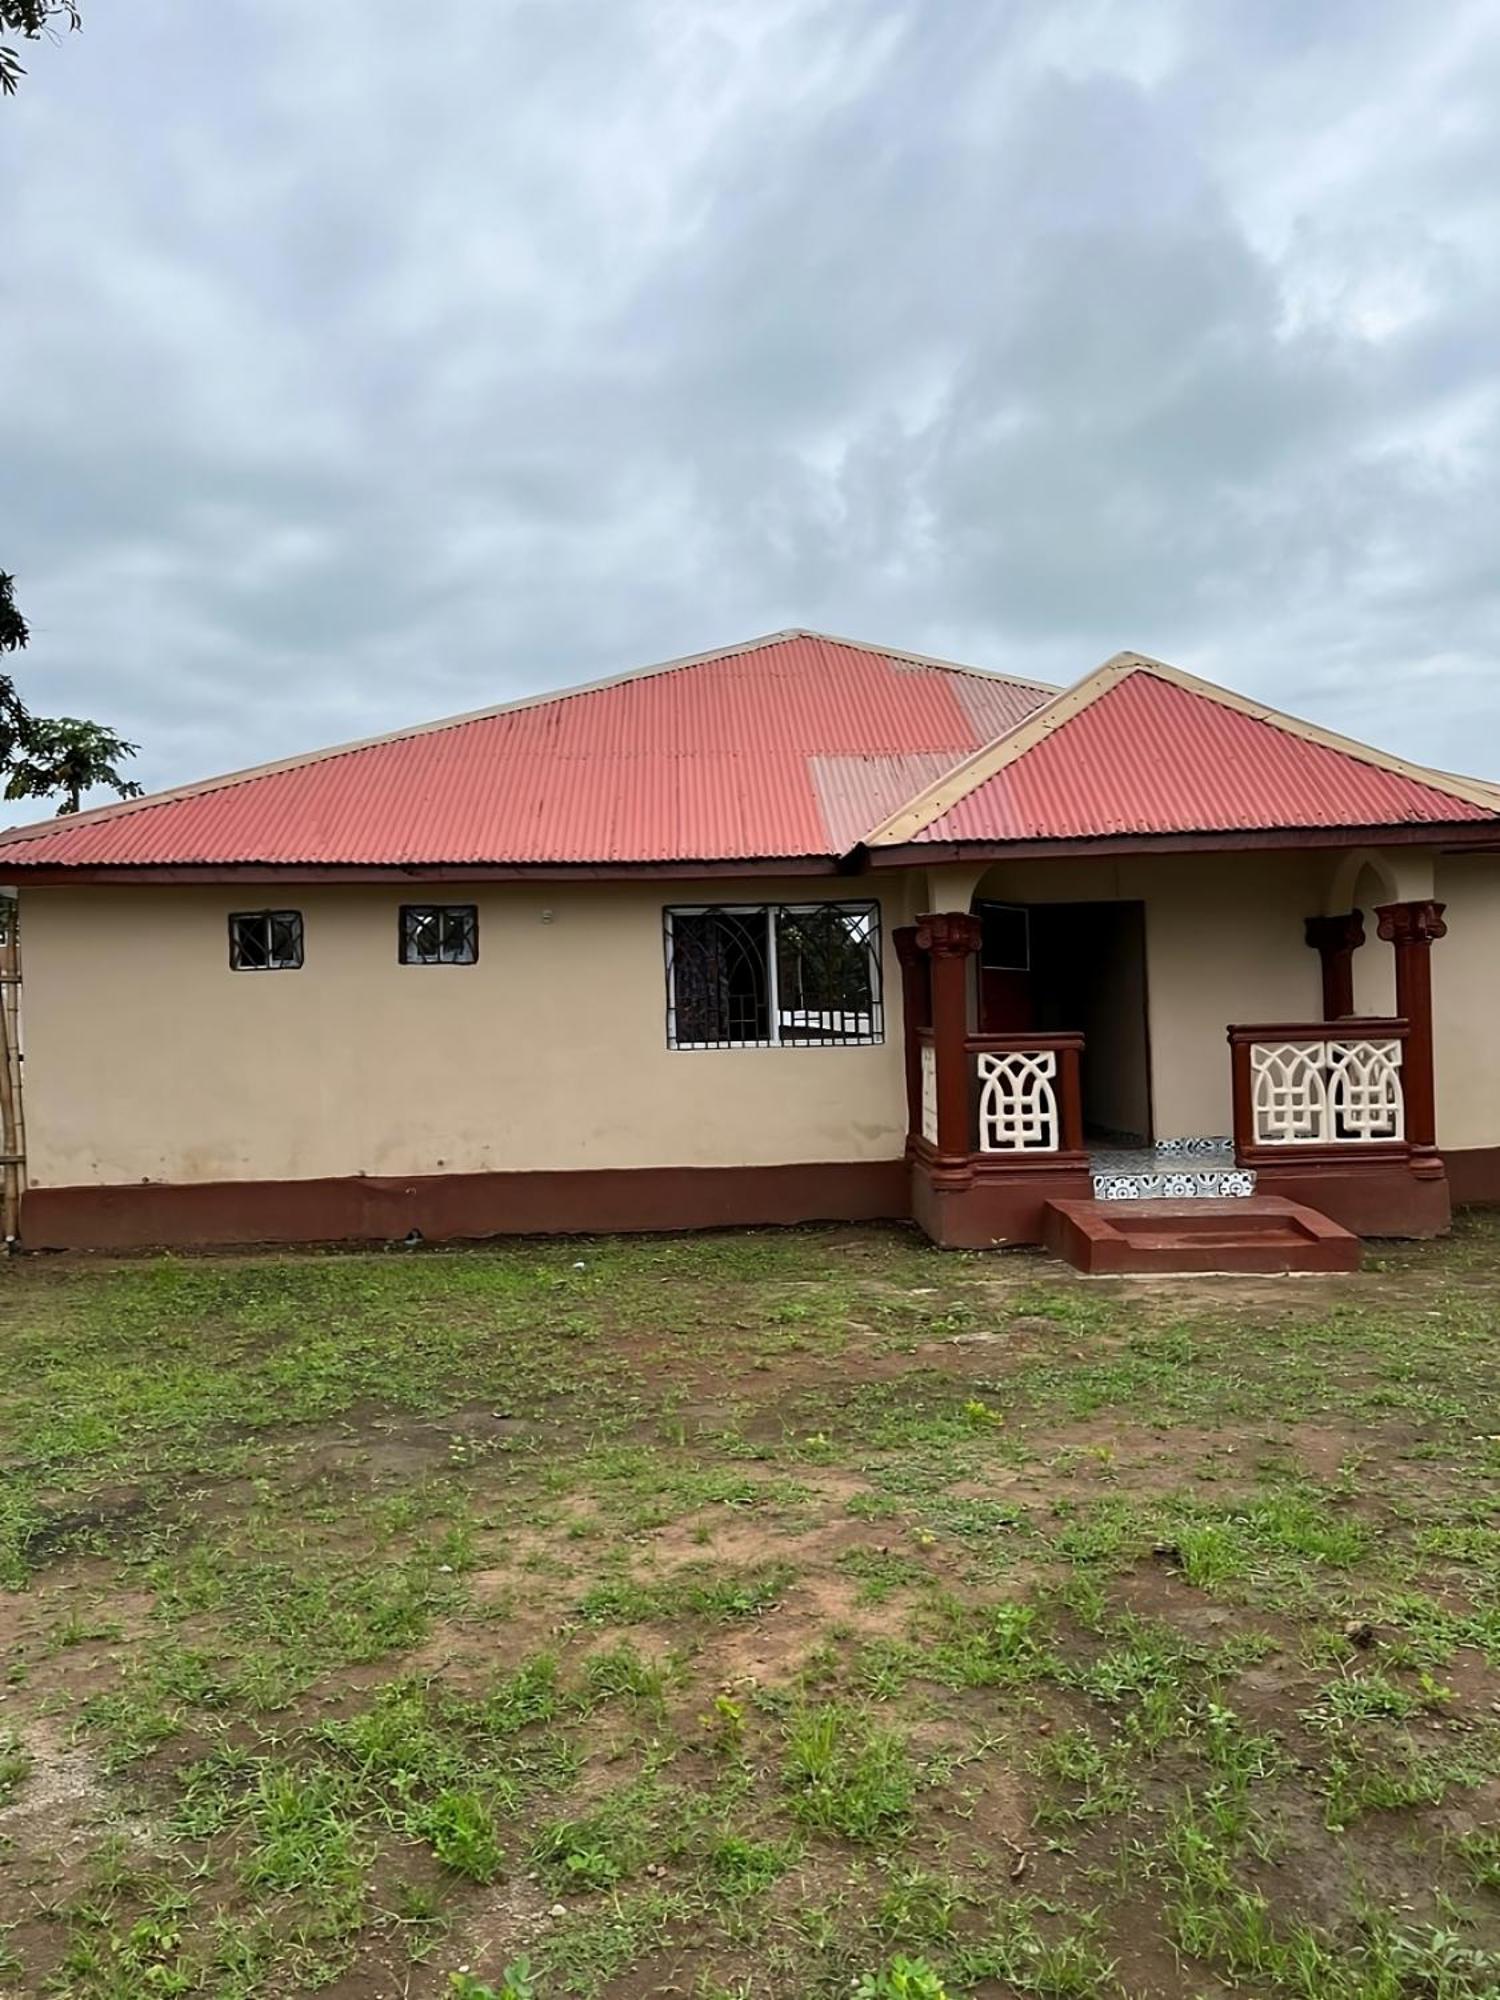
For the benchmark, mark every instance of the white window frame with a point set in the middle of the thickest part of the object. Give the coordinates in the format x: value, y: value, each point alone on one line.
x: 875, y: 946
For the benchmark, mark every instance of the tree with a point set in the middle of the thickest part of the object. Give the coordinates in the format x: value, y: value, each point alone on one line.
x: 72, y: 757
x: 14, y: 631
x: 31, y: 19
x: 14, y: 720
x: 42, y: 756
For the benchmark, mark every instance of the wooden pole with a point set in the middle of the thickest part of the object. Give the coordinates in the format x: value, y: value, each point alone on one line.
x: 12, y: 1127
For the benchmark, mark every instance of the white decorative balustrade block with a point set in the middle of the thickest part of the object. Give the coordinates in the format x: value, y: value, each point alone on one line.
x: 929, y: 1094
x: 1326, y: 1093
x: 1018, y: 1101
x: 1290, y: 1093
x: 1365, y: 1100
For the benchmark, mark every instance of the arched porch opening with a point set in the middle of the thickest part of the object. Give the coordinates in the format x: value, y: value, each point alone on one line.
x: 1074, y: 965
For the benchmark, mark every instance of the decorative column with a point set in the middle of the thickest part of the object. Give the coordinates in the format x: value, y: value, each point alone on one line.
x: 950, y: 939
x: 1412, y: 928
x: 916, y: 1011
x: 1335, y: 940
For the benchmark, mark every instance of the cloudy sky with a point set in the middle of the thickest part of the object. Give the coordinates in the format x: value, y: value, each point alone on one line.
x: 360, y: 368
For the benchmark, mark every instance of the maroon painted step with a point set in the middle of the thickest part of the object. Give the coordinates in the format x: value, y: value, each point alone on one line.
x: 1255, y: 1233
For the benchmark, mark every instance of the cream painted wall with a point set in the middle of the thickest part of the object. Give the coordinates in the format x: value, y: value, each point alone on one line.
x: 1466, y: 1001
x: 1223, y: 944
x: 148, y: 1059
x: 1374, y: 962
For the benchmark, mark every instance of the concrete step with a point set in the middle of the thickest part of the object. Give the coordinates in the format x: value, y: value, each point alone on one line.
x: 1244, y: 1233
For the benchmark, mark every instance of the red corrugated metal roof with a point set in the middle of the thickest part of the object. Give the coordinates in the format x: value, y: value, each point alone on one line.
x: 1151, y: 751
x: 788, y: 747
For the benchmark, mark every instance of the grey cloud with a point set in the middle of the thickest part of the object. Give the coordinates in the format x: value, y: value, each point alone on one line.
x: 356, y: 378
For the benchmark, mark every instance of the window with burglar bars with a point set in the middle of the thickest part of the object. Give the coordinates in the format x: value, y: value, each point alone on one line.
x: 439, y: 933
x: 789, y: 975
x: 265, y: 940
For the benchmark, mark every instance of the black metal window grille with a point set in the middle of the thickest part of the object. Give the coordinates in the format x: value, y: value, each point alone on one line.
x: 439, y: 933
x: 791, y: 975
x: 265, y: 940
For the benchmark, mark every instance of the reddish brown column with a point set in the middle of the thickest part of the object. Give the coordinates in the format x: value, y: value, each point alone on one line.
x: 1335, y: 940
x: 916, y: 1010
x: 1412, y: 928
x: 1070, y: 1094
x: 950, y: 938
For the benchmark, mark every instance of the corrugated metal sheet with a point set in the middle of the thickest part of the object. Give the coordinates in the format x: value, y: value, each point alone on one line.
x: 856, y: 793
x: 723, y: 758
x: 1150, y: 756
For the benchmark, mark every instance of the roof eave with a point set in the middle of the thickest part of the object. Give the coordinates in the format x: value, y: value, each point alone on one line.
x: 54, y: 874
x: 1449, y: 836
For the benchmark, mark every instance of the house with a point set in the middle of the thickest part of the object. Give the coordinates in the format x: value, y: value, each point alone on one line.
x: 800, y: 929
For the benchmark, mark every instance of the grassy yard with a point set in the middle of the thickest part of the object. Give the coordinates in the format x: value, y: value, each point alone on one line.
x: 782, y: 1614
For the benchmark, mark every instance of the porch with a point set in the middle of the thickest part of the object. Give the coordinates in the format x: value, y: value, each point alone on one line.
x: 1029, y: 1086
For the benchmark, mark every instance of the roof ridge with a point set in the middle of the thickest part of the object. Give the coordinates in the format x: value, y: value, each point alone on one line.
x: 928, y: 805
x: 915, y: 659
x: 227, y: 780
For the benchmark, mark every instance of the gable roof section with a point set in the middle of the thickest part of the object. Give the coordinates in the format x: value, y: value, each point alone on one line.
x: 1140, y: 748
x: 785, y: 747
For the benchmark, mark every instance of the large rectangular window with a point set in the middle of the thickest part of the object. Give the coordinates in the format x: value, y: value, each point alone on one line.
x: 265, y: 940
x: 439, y: 934
x: 798, y: 975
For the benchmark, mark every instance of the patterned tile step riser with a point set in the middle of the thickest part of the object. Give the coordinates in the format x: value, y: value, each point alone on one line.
x: 1175, y: 1170
x: 1173, y: 1187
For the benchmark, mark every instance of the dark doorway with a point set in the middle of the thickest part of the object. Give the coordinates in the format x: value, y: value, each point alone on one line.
x: 1079, y: 967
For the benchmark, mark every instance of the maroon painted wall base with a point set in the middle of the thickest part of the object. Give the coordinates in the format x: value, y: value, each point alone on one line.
x: 1377, y: 1199
x: 1474, y: 1176
x: 446, y: 1206
x: 1371, y: 1199
x: 994, y: 1210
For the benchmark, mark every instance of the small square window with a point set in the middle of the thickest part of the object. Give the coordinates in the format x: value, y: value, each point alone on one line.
x: 265, y: 940
x: 439, y: 933
x: 1005, y: 940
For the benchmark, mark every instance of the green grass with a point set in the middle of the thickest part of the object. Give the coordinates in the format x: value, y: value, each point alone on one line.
x: 843, y: 1773
x: 696, y: 1615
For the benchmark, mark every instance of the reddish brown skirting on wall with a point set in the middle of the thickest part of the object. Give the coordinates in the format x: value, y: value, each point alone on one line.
x: 152, y: 1214
x: 1474, y: 1176
x: 1370, y: 1197
x: 994, y: 1211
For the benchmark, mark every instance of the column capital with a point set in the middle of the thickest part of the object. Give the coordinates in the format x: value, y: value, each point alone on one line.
x: 904, y: 938
x: 948, y: 933
x: 1345, y: 932
x: 1411, y: 923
